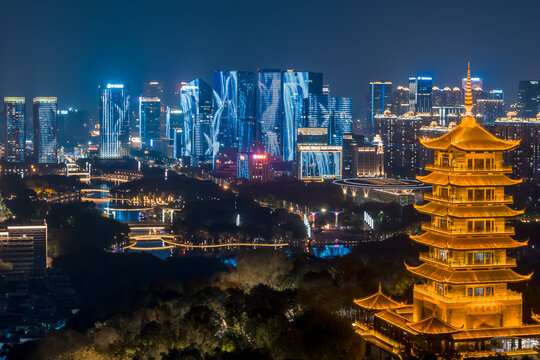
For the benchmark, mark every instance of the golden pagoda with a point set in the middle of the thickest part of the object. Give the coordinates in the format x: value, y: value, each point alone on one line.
x: 464, y: 304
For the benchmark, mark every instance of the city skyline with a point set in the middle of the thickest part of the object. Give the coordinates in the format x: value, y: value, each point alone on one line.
x: 87, y: 54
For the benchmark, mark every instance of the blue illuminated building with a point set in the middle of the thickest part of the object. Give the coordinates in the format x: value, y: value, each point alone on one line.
x: 319, y: 162
x: 269, y: 130
x: 197, y: 138
x: 174, y: 121
x: 233, y: 123
x: 333, y: 113
x: 45, y: 129
x: 420, y: 94
x: 150, y: 125
x: 14, y: 128
x: 297, y: 86
x: 114, y: 121
x: 380, y: 93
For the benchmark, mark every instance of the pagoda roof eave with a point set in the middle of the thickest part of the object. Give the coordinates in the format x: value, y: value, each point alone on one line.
x: 471, y: 276
x: 469, y: 136
x: 437, y: 178
x: 433, y: 326
x: 501, y: 210
x: 378, y: 301
x: 467, y: 242
x: 395, y: 319
x: 508, y: 331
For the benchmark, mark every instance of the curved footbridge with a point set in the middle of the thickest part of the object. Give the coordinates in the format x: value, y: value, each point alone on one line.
x: 170, y: 241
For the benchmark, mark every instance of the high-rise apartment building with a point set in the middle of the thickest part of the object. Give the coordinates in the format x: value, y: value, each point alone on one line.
x: 297, y: 86
x: 528, y: 104
x: 197, y: 138
x: 420, y: 94
x: 490, y: 109
x: 525, y: 159
x: 45, y: 129
x: 114, y: 121
x: 150, y: 121
x: 14, y: 128
x: 269, y: 129
x: 380, y: 95
x: 399, y: 101
x: 25, y: 246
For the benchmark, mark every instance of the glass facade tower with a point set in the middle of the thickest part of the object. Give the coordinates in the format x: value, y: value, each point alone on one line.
x: 296, y: 89
x: 14, y: 128
x: 114, y: 121
x: 46, y: 129
x: 196, y: 136
x: 380, y: 93
x: 420, y: 94
x: 269, y: 112
x: 150, y: 124
x: 528, y: 104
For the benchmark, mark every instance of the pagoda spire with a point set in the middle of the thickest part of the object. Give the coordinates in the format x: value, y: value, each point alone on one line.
x: 468, y: 93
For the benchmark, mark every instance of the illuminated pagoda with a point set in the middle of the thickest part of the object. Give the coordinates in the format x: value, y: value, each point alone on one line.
x: 463, y: 306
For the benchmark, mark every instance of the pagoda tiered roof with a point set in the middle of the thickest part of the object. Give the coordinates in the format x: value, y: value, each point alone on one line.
x: 506, y: 332
x: 378, y: 301
x: 469, y: 136
x: 466, y: 276
x: 437, y: 178
x: 432, y: 326
x: 395, y: 319
x: 467, y: 242
x: 467, y: 211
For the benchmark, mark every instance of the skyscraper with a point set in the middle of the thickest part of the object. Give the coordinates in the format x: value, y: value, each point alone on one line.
x: 173, y: 131
x: 341, y: 115
x: 296, y: 89
x: 114, y: 121
x: 491, y: 110
x: 234, y: 111
x: 400, y: 101
x: 197, y: 137
x: 528, y: 104
x: 269, y: 129
x: 45, y: 129
x: 496, y: 94
x: 150, y: 124
x: 420, y: 94
x: 14, y: 128
x: 380, y: 93
x: 153, y: 89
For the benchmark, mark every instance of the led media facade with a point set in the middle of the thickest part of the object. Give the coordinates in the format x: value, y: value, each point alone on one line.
x: 269, y: 111
x: 196, y: 137
x: 317, y: 163
x: 333, y: 113
x: 114, y: 122
x: 46, y: 129
x: 14, y: 127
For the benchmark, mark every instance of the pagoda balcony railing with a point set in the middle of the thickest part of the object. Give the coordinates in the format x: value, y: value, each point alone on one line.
x: 464, y: 168
x: 506, y: 199
x: 506, y: 230
x: 454, y: 297
x: 451, y: 262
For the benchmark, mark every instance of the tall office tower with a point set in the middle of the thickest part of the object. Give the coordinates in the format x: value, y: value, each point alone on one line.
x: 341, y: 119
x: 178, y: 87
x: 439, y: 98
x: 37, y: 233
x: 525, y: 160
x: 45, y: 129
x: 114, y: 121
x: 476, y: 83
x: 350, y: 145
x: 455, y: 98
x: 14, y: 128
x: 150, y: 124
x: 319, y: 114
x: 420, y: 94
x: 197, y: 142
x: 496, y: 94
x: 380, y: 94
x: 153, y: 89
x: 173, y: 132
x: 269, y: 129
x: 234, y: 111
x: 399, y: 101
x: 528, y: 104
x: 296, y: 89
x: 490, y: 109
x: 399, y: 135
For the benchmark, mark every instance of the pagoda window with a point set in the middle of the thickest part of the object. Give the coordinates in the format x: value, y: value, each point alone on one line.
x: 442, y: 255
x: 440, y: 289
x: 480, y: 258
x: 478, y: 291
x: 478, y: 163
x: 444, y: 193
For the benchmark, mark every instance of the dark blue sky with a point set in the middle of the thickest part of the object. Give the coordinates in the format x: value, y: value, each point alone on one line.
x: 66, y: 48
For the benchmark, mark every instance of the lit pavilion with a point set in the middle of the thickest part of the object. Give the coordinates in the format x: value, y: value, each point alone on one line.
x: 464, y: 306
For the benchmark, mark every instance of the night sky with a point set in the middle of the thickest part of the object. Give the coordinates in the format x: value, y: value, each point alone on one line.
x: 66, y: 48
